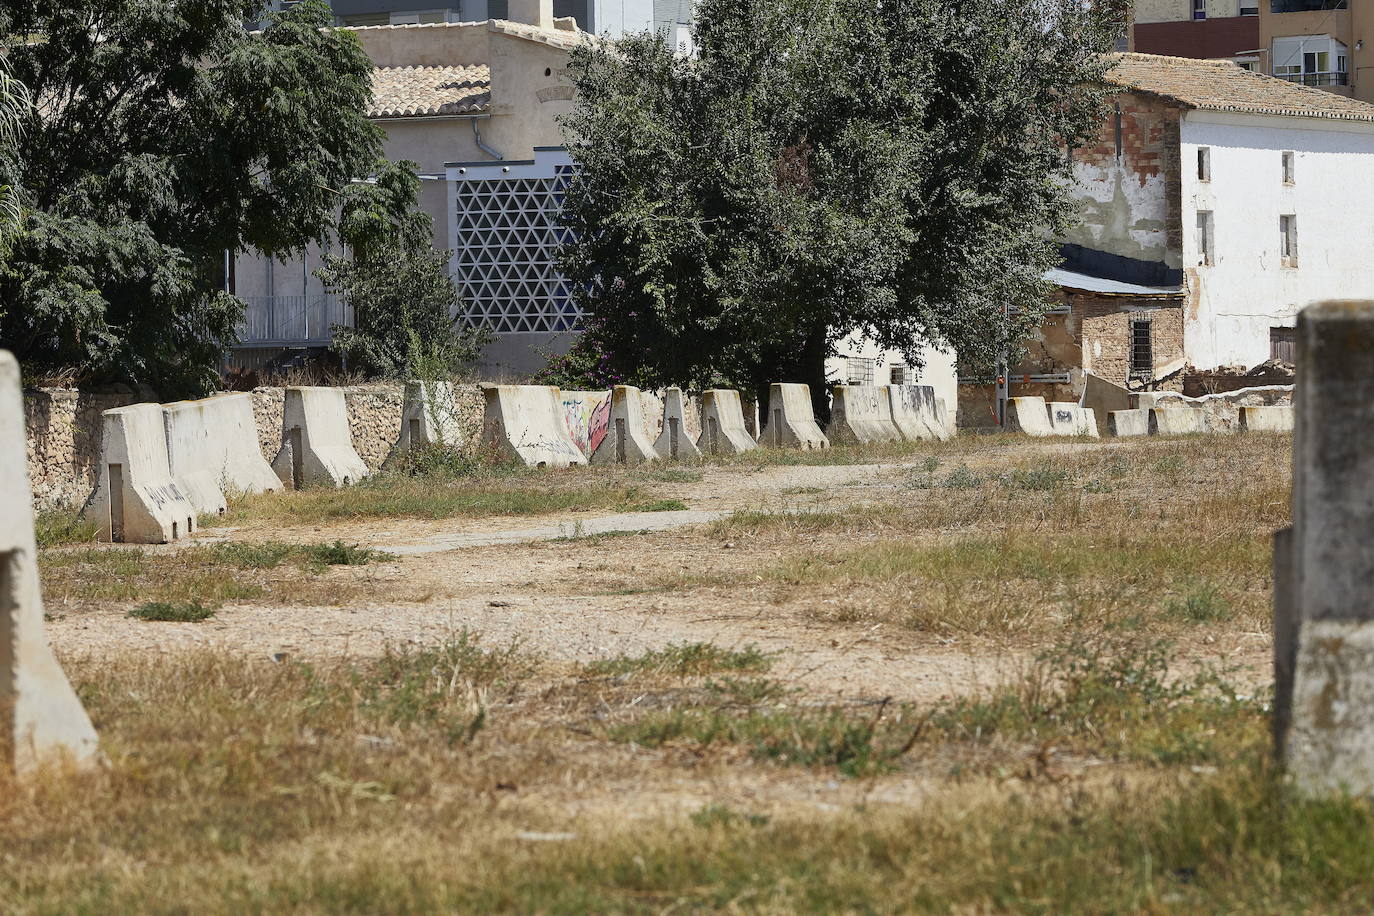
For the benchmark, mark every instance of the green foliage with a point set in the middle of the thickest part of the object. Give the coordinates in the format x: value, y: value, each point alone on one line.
x: 54, y: 527
x: 167, y: 135
x: 685, y: 660
x: 341, y: 554
x: 896, y: 169
x: 399, y: 287
x: 187, y: 612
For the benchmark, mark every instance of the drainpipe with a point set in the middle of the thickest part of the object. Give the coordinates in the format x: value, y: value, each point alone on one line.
x: 481, y: 144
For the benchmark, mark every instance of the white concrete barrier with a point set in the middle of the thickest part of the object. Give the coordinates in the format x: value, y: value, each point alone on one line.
x: 791, y: 422
x: 212, y: 450
x: 1177, y: 421
x: 1276, y: 419
x: 1030, y: 416
x: 625, y: 441
x: 191, y: 449
x: 722, y: 424
x: 861, y: 414
x: 526, y: 423
x: 237, y: 454
x: 673, y: 443
x: 587, y: 414
x: 1128, y: 423
x: 916, y: 412
x: 136, y: 501
x: 428, y: 417
x: 1068, y: 419
x: 316, y: 442
x: 946, y: 422
x: 42, y: 723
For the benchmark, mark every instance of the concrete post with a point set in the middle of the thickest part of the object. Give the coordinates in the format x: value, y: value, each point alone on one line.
x: 1324, y: 568
x: 41, y: 719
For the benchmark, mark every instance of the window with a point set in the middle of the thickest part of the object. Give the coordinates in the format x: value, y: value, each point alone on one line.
x: 1199, y: 9
x: 1249, y: 11
x: 1288, y: 240
x: 897, y: 375
x: 859, y: 370
x: 1288, y: 167
x: 1283, y: 345
x: 1142, y: 350
x: 1246, y: 65
x: 1204, y: 163
x: 1205, y: 242
x: 1313, y: 60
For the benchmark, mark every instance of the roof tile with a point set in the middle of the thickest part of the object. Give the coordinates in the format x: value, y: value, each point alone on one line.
x: 1221, y: 85
x: 427, y: 92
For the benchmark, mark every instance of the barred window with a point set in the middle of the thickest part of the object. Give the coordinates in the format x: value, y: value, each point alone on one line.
x: 1142, y: 350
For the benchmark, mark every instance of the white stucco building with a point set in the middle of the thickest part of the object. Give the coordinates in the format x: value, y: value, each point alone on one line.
x: 1249, y: 195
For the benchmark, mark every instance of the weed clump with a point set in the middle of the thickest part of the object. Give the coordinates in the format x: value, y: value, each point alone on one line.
x: 341, y: 554
x: 53, y: 528
x: 660, y: 505
x: 684, y: 660
x: 183, y: 612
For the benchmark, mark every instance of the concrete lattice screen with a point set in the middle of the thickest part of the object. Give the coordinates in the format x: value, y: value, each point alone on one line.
x: 506, y: 240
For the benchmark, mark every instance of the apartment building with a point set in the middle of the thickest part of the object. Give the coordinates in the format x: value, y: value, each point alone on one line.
x: 671, y: 18
x: 1320, y: 43
x: 1199, y: 28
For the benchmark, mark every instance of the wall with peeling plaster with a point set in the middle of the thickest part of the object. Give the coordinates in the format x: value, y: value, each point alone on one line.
x: 1127, y: 202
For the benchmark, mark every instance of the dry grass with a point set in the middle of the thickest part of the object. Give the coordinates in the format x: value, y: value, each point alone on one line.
x: 215, y: 575
x: 480, y: 780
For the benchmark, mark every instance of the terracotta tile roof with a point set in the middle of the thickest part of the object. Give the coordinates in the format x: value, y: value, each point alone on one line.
x: 1214, y: 85
x: 421, y: 92
x: 567, y: 39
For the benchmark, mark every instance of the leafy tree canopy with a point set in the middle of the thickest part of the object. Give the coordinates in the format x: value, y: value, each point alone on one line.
x: 163, y: 134
x: 403, y: 299
x: 891, y: 167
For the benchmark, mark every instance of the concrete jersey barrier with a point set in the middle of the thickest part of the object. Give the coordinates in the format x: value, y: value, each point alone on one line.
x: 625, y: 441
x: 428, y: 417
x: 316, y: 442
x: 526, y: 423
x: 236, y: 454
x: 915, y: 412
x: 136, y: 501
x: 191, y: 454
x: 1276, y: 419
x: 1068, y: 419
x: 42, y: 722
x: 791, y: 422
x: 722, y: 424
x: 945, y: 420
x: 1177, y: 421
x: 673, y: 442
x: 1122, y: 423
x: 212, y: 450
x: 1030, y: 416
x: 860, y: 414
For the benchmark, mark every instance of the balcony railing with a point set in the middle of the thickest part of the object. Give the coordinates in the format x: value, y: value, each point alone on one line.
x: 291, y: 321
x: 1316, y: 79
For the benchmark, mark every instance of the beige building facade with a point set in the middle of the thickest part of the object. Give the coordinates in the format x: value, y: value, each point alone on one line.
x: 483, y: 96
x: 1321, y: 43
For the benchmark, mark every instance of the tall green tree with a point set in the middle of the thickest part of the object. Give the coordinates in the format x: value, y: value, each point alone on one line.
x: 163, y: 135
x: 890, y: 167
x: 406, y: 321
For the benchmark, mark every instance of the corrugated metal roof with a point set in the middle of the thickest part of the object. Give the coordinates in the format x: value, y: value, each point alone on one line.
x: 1071, y: 280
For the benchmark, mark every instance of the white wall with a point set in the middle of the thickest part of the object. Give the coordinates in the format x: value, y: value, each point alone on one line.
x: 1246, y: 291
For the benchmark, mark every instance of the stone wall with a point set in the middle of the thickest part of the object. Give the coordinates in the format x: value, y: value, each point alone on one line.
x: 64, y: 442
x: 64, y: 430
